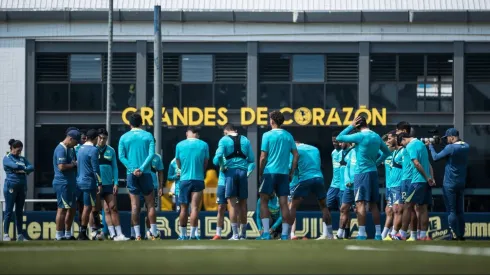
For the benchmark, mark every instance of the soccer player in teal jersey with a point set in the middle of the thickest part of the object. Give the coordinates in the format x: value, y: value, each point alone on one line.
x: 344, y: 150
x: 396, y: 174
x: 275, y: 217
x: 109, y: 174
x: 348, y: 198
x: 310, y: 179
x: 89, y: 181
x: 333, y: 202
x: 292, y: 186
x: 174, y: 175
x: 388, y: 165
x: 274, y: 172
x: 156, y: 171
x: 419, y: 190
x: 236, y: 158
x: 192, y: 156
x: 136, y: 151
x: 366, y: 179
x: 221, y: 201
x: 65, y: 183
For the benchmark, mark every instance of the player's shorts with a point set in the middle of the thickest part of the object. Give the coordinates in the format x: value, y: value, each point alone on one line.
x: 314, y: 185
x: 88, y: 197
x: 107, y: 190
x: 291, y: 189
x: 236, y: 182
x: 187, y: 187
x: 419, y: 193
x: 348, y: 197
x: 220, y: 194
x: 404, y: 187
x: 274, y: 182
x: 65, y: 195
x: 389, y: 203
x: 366, y: 187
x: 155, y: 199
x: 333, y: 198
x: 142, y: 185
x: 395, y: 195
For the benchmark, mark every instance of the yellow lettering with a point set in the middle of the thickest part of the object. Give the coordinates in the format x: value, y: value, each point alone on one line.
x: 34, y: 230
x: 262, y: 116
x: 377, y: 116
x: 348, y: 111
x: 147, y: 115
x: 163, y: 225
x: 243, y: 116
x: 49, y: 230
x: 479, y: 229
x: 318, y: 115
x: 125, y: 113
x: 288, y: 110
x: 209, y: 117
x: 179, y: 117
x: 223, y: 119
x: 333, y: 117
x: 363, y: 110
x: 200, y: 116
x: 166, y: 117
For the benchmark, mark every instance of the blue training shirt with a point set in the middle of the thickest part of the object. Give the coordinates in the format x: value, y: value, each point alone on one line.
x: 156, y: 165
x: 396, y: 173
x: 136, y: 150
x: 226, y: 147
x: 16, y: 169
x: 192, y: 154
x: 173, y: 171
x: 64, y: 155
x: 108, y: 165
x: 350, y: 169
x: 368, y: 144
x: 456, y: 155
x: 336, y: 158
x: 416, y: 150
x: 88, y: 167
x: 278, y: 144
x: 309, y: 162
x: 343, y: 167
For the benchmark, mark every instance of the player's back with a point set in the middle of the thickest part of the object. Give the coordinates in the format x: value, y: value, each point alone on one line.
x: 367, y: 151
x: 87, y: 165
x: 278, y: 143
x: 68, y: 176
x: 417, y: 149
x: 192, y: 154
x: 309, y: 162
x: 137, y: 145
x: 456, y: 166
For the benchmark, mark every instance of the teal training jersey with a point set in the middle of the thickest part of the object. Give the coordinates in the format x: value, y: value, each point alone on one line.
x: 192, y: 153
x: 336, y: 157
x: 309, y: 162
x: 396, y: 172
x: 417, y: 150
x: 388, y: 167
x: 368, y: 144
x: 226, y: 147
x: 156, y: 165
x: 136, y: 150
x: 343, y: 167
x: 295, y: 179
x: 350, y: 169
x: 108, y: 165
x: 173, y: 175
x: 408, y: 167
x: 274, y: 209
x: 278, y: 144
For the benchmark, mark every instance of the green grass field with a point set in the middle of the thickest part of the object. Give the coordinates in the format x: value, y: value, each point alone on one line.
x: 245, y: 257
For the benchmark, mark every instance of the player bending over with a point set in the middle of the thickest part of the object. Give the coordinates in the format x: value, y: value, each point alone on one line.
x: 275, y: 217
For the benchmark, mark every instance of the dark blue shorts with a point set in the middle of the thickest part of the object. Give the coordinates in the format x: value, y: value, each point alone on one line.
x: 187, y: 187
x: 333, y: 198
x: 88, y: 196
x: 65, y: 195
x: 348, y: 197
x: 395, y: 195
x: 107, y: 190
x: 142, y: 185
x: 366, y: 187
x: 220, y: 194
x: 418, y: 193
x: 315, y: 186
x: 278, y: 183
x: 236, y: 182
x: 155, y: 199
x: 404, y: 188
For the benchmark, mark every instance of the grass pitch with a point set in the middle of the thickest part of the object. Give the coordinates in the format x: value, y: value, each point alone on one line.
x: 244, y: 257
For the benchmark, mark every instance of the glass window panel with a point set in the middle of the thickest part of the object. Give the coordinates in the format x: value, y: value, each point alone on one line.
x: 52, y: 97
x: 123, y: 96
x: 197, y: 68
x: 197, y: 95
x: 231, y: 96
x: 85, y: 67
x: 341, y: 95
x: 477, y: 97
x: 478, y: 136
x: 308, y: 95
x: 274, y: 96
x: 171, y: 95
x: 86, y: 97
x: 384, y: 95
x: 407, y: 98
x: 308, y: 68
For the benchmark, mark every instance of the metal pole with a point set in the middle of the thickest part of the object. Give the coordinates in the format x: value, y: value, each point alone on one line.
x: 157, y: 80
x: 109, y: 73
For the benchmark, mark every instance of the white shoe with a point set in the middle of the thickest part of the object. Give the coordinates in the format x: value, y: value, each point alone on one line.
x: 6, y: 238
x: 234, y: 238
x: 120, y: 238
x: 324, y: 238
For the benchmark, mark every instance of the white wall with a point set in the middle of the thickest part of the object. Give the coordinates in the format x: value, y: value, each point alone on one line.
x: 12, y: 94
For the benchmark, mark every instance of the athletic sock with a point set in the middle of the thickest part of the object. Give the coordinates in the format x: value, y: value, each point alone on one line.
x: 378, y: 229
x: 385, y: 232
x: 329, y: 231
x: 362, y: 231
x: 285, y: 229
x: 193, y: 231
x: 119, y: 230
x: 403, y: 233
x: 234, y: 228
x: 413, y: 235
x: 393, y: 232
x: 59, y: 234
x: 243, y: 229
x: 133, y: 234
x: 154, y: 230
x: 340, y: 233
x: 265, y: 224
x: 137, y: 231
x: 112, y: 231
x: 218, y: 231
x: 423, y: 234
x: 418, y: 234
x: 183, y: 231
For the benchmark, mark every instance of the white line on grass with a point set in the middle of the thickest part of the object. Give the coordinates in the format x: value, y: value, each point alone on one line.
x: 366, y: 248
x: 98, y: 248
x: 455, y: 250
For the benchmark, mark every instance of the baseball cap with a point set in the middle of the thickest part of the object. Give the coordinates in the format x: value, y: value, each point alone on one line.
x: 75, y: 134
x: 451, y: 132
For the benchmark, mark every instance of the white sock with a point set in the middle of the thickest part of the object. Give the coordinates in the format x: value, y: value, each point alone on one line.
x: 154, y: 229
x: 137, y: 231
x: 385, y: 232
x: 132, y: 232
x: 340, y: 233
x: 329, y: 230
x: 418, y: 234
x: 59, y: 234
x: 234, y: 228
x: 285, y: 229
x: 112, y: 232
x: 183, y: 231
x: 324, y: 232
x: 119, y: 230
x: 362, y: 231
x: 292, y: 234
x: 393, y: 232
x: 423, y: 234
x: 265, y: 224
x: 413, y: 234
x: 193, y: 231
x: 403, y: 233
x: 378, y: 229
x: 243, y: 229
x: 67, y: 233
x: 218, y: 231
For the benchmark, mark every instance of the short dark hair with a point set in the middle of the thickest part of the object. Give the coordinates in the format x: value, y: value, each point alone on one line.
x: 335, y: 133
x: 70, y: 129
x: 362, y: 122
x: 229, y: 127
x: 135, y: 120
x: 15, y: 143
x: 385, y: 137
x: 400, y: 137
x: 194, y: 129
x: 403, y: 125
x: 277, y: 117
x: 103, y: 131
x: 83, y: 132
x: 92, y: 134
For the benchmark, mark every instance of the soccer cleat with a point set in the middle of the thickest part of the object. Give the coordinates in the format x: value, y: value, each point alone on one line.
x: 21, y: 238
x: 138, y: 239
x: 388, y: 238
x: 6, y: 238
x: 120, y: 238
x: 426, y: 238
x: 284, y: 237
x: 234, y: 238
x: 398, y: 237
x: 132, y: 238
x: 242, y: 238
x: 304, y: 238
x: 265, y: 236
x: 71, y: 238
x: 324, y: 238
x: 182, y: 238
x: 216, y: 237
x: 378, y: 238
x: 411, y: 239
x: 361, y: 238
x: 83, y: 237
x: 195, y: 238
x: 294, y: 238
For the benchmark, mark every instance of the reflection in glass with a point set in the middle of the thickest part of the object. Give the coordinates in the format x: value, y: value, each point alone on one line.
x: 384, y: 95
x: 231, y: 96
x: 478, y: 137
x: 52, y: 97
x: 197, y: 95
x: 171, y: 95
x: 274, y: 96
x: 477, y: 97
x: 308, y: 95
x: 341, y: 95
x: 85, y: 67
x: 197, y: 68
x: 123, y: 96
x: 86, y: 97
x: 308, y: 68
x: 407, y: 98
